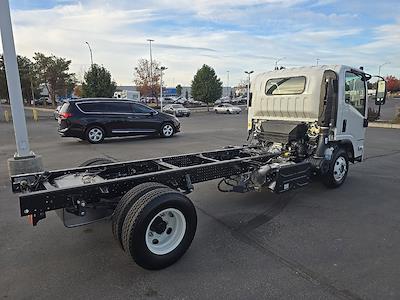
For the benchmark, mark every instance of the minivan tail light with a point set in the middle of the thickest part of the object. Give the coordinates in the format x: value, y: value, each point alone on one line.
x: 65, y: 115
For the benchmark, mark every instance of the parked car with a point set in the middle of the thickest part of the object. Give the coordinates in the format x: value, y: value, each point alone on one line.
x: 226, y: 108
x: 177, y: 110
x: 95, y: 119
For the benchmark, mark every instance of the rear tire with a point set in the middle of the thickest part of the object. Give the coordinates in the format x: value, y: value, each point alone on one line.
x: 338, y: 169
x: 125, y: 204
x: 159, y: 228
x: 95, y: 134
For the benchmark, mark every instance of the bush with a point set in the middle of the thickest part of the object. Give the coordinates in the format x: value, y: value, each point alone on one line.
x: 397, y: 118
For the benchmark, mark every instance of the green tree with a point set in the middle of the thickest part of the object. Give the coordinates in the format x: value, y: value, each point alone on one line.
x: 52, y: 71
x: 206, y: 86
x: 179, y: 90
x: 98, y: 83
x: 28, y: 78
x: 3, y: 80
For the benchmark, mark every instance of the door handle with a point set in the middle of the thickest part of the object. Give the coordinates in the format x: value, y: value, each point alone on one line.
x: 344, y: 125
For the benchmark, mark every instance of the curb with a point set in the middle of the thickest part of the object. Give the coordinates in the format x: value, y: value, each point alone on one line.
x: 383, y: 125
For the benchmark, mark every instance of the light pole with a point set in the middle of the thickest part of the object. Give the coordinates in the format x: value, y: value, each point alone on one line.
x: 248, y: 87
x: 151, y: 67
x: 317, y: 61
x: 227, y: 84
x: 162, y: 69
x: 91, y: 54
x: 278, y: 60
x: 24, y: 161
x: 380, y: 66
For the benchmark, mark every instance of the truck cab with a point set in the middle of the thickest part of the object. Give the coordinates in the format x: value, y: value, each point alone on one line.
x: 330, y: 98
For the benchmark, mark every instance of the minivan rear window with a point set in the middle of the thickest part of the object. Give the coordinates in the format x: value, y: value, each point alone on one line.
x: 285, y: 86
x: 64, y: 107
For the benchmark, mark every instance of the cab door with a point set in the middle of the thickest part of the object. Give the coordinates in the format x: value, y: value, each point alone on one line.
x: 353, y: 113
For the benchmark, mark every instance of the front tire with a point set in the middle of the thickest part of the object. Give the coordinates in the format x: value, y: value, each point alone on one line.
x: 159, y: 228
x: 338, y: 169
x: 95, y: 134
x: 167, y: 130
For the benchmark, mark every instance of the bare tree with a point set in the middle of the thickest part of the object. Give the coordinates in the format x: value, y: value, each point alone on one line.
x: 147, y: 82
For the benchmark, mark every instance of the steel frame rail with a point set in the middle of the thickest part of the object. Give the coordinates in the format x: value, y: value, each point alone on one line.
x: 40, y: 194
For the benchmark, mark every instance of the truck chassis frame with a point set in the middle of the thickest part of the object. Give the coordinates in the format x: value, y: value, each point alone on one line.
x: 39, y: 194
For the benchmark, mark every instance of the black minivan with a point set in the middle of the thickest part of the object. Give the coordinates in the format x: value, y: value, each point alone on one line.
x: 94, y: 119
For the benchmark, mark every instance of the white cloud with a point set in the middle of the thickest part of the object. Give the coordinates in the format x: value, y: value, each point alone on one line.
x: 231, y: 35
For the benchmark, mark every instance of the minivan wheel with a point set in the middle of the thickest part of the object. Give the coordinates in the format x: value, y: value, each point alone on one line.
x: 167, y: 130
x: 95, y: 134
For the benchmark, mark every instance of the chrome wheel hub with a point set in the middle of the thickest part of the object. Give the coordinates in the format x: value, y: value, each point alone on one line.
x: 167, y: 130
x: 95, y: 134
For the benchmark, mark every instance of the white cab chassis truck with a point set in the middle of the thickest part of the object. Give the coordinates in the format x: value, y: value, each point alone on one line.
x: 303, y: 124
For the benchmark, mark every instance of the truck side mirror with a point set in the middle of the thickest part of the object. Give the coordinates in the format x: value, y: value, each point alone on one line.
x: 380, y: 95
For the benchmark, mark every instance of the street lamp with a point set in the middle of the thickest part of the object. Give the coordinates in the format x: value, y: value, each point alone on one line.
x: 162, y: 69
x: 278, y: 60
x: 91, y: 54
x: 248, y: 86
x: 151, y: 66
x: 227, y: 84
x: 380, y: 66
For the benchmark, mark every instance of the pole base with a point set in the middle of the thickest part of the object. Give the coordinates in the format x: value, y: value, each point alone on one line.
x: 23, y: 165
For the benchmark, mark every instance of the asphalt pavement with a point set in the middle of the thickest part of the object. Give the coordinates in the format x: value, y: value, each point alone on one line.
x: 311, y: 243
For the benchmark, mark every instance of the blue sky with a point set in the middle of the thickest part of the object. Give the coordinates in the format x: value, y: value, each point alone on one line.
x: 234, y: 35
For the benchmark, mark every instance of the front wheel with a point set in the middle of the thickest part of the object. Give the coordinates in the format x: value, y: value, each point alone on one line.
x: 159, y: 228
x: 167, y: 130
x: 338, y: 169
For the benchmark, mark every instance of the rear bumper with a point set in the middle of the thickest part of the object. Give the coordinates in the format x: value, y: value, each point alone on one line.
x: 183, y: 113
x: 69, y: 132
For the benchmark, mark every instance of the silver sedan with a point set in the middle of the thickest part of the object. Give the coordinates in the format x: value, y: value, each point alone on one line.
x: 226, y: 108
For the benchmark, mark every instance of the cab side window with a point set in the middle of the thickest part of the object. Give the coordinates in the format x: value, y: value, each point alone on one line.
x: 355, y: 91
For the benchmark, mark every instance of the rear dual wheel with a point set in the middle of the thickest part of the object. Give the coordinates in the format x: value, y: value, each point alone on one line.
x: 158, y: 227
